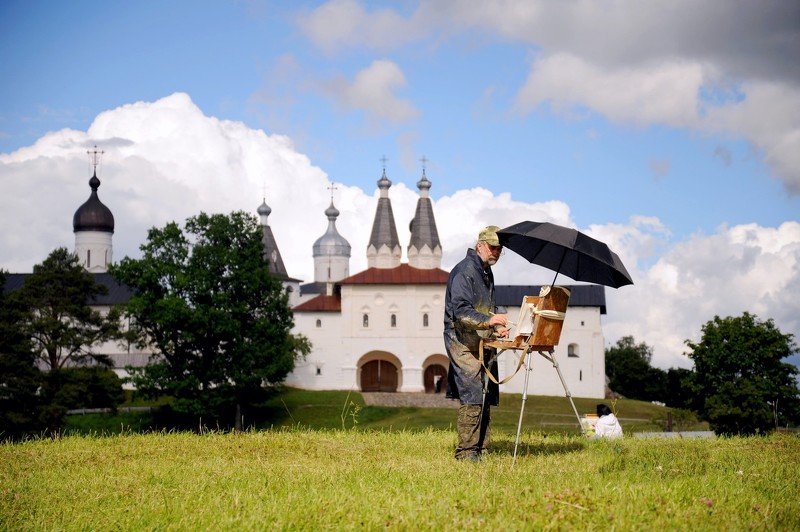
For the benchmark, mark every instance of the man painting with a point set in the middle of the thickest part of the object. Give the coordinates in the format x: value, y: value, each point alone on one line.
x: 469, y: 314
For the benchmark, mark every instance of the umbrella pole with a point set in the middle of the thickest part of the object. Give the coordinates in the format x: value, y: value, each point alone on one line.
x: 563, y: 254
x: 522, y: 408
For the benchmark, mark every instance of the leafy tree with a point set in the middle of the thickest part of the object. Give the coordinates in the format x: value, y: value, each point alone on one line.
x: 94, y: 387
x: 630, y: 374
x: 19, y: 378
x: 740, y: 381
x: 61, y: 324
x: 679, y: 388
x: 218, y: 321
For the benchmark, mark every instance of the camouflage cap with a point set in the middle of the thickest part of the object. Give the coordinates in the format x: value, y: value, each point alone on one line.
x: 489, y: 235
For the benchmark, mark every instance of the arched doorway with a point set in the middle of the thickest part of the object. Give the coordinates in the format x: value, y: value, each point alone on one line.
x: 379, y: 376
x: 435, y: 378
x: 434, y: 375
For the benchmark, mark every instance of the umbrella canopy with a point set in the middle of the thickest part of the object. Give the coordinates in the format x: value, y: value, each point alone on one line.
x: 566, y: 251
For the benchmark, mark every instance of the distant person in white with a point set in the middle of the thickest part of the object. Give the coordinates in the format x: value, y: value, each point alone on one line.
x: 607, y: 425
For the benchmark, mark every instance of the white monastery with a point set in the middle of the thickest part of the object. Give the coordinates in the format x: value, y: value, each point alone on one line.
x: 379, y: 329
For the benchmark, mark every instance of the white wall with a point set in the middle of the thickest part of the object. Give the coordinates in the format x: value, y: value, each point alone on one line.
x: 342, y: 341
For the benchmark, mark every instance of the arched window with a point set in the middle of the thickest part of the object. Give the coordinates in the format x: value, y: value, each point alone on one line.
x: 572, y: 350
x: 425, y: 320
x: 88, y: 258
x: 319, y: 323
x: 365, y: 320
x: 394, y: 320
x: 319, y: 370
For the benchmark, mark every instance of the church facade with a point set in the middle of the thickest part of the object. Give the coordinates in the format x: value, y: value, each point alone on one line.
x: 381, y: 329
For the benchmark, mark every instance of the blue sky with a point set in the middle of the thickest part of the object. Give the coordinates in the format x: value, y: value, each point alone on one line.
x: 669, y: 129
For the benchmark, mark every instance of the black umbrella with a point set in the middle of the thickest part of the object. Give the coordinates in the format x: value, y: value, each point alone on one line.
x: 566, y: 251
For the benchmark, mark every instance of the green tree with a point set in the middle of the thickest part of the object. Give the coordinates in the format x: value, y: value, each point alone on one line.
x: 62, y: 326
x: 218, y: 321
x: 20, y: 379
x: 740, y: 382
x: 679, y: 388
x: 93, y: 387
x: 630, y: 374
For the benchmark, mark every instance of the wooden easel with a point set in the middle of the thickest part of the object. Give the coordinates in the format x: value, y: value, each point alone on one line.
x: 538, y: 328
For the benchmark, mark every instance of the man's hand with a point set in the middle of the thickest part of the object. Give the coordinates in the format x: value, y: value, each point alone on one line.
x: 501, y: 332
x: 498, y: 319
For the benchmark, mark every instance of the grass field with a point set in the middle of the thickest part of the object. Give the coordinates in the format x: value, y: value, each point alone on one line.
x: 400, y: 480
x: 323, y: 410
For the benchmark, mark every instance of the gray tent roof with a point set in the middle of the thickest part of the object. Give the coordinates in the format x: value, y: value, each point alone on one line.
x: 273, y: 255
x: 384, y: 231
x: 423, y: 226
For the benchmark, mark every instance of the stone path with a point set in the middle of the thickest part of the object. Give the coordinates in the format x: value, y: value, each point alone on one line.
x: 417, y: 399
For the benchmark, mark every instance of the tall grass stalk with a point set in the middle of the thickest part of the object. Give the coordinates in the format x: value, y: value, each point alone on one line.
x: 334, y: 479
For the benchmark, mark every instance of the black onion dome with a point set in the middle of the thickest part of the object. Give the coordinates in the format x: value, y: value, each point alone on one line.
x: 93, y: 215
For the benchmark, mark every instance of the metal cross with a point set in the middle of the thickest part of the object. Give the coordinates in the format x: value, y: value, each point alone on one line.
x: 94, y: 157
x: 332, y: 187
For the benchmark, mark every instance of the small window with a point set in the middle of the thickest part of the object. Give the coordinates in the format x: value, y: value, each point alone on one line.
x: 580, y: 375
x: 319, y: 324
x: 572, y: 350
x: 365, y: 320
x: 394, y: 320
x: 425, y: 320
x: 88, y: 258
x: 582, y: 323
x: 319, y: 371
x: 105, y: 258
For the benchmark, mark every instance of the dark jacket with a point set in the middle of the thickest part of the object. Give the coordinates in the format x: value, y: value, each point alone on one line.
x: 468, y: 306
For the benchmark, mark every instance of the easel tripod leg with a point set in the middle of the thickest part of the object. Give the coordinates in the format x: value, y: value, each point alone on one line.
x: 552, y: 359
x: 522, y: 408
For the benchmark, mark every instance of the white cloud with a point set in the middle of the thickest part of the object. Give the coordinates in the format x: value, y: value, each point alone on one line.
x: 670, y: 93
x: 737, y: 269
x: 173, y: 163
x: 769, y: 117
x: 661, y: 93
x: 345, y: 23
x: 373, y: 91
x: 166, y: 160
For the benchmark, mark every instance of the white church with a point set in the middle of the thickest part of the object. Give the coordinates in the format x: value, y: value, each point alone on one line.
x: 379, y: 329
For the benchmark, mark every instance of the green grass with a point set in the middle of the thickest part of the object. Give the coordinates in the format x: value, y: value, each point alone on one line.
x: 324, y: 410
x: 402, y: 480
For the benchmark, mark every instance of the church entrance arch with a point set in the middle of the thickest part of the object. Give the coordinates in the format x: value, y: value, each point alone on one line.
x: 434, y: 375
x: 379, y: 371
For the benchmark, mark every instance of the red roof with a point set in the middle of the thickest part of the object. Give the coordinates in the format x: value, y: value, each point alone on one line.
x: 321, y: 303
x: 403, y: 274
